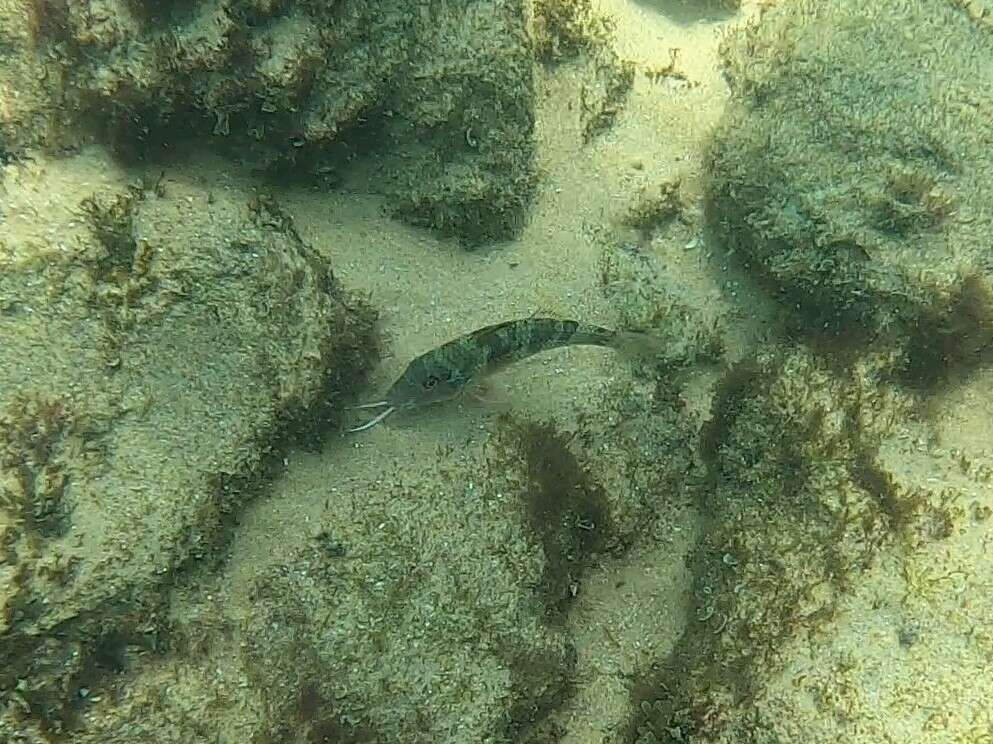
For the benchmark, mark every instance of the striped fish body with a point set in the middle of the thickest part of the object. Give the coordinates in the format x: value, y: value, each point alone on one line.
x: 443, y: 372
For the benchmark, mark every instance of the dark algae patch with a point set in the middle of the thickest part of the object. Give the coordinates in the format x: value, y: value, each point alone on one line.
x: 564, y: 507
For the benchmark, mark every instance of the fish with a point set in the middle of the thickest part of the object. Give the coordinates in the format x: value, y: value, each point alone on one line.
x: 446, y: 371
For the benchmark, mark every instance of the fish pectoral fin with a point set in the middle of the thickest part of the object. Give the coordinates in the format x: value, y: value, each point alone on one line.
x: 487, y: 393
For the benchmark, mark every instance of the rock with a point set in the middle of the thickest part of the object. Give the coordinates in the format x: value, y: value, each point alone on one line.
x: 853, y: 175
x: 838, y: 533
x: 158, y: 340
x: 437, y: 102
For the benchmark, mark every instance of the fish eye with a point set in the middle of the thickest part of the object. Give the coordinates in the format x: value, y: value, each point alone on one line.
x: 430, y: 382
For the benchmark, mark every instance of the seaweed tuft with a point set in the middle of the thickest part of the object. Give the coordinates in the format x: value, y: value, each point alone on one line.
x: 563, y: 506
x: 34, y: 429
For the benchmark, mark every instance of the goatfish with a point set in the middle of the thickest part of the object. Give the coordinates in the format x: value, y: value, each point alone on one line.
x: 445, y: 372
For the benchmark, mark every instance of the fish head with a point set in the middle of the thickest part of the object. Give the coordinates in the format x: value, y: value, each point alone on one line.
x: 424, y: 383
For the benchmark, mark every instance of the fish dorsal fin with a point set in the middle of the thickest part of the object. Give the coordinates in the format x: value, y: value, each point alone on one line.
x: 544, y: 311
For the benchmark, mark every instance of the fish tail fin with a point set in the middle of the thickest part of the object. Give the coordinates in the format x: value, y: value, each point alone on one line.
x: 638, y: 344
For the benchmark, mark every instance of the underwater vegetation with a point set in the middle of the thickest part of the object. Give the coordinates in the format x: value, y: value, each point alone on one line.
x: 137, y: 350
x: 438, y: 102
x: 801, y: 462
x: 851, y: 181
x: 566, y: 31
x: 853, y: 176
x: 443, y: 96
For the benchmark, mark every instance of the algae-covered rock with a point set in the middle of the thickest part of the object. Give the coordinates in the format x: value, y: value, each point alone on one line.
x: 853, y: 173
x: 834, y: 518
x: 460, y: 122
x: 796, y: 509
x: 427, y: 604
x: 409, y: 620
x: 429, y: 609
x: 29, y: 88
x: 907, y: 653
x: 439, y: 95
x: 156, y: 339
